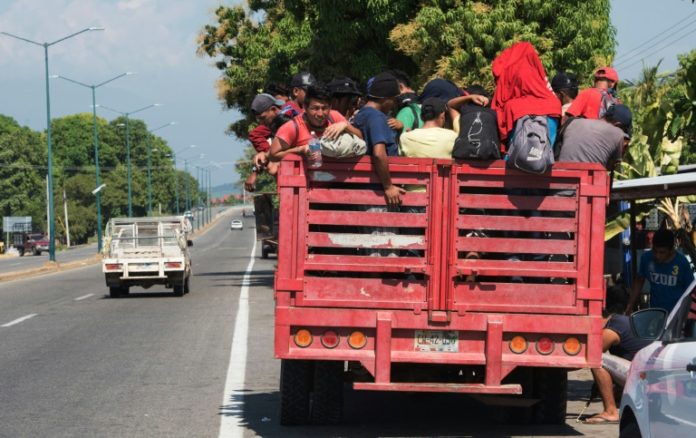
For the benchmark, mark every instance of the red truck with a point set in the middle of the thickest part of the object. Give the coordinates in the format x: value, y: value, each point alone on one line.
x: 486, y: 281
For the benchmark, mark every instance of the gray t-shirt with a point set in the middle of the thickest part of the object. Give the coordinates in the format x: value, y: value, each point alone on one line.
x: 591, y: 141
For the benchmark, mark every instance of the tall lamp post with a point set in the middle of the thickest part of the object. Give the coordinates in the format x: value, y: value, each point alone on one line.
x: 128, y: 155
x: 94, y: 87
x: 149, y: 167
x: 176, y: 176
x: 51, y: 219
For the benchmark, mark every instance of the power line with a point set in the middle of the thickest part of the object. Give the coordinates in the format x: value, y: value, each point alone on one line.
x: 656, y: 51
x: 624, y: 60
x: 671, y: 27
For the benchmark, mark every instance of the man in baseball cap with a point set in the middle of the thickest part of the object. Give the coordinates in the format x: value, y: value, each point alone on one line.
x: 345, y: 96
x: 593, y: 103
x: 565, y: 87
x: 299, y: 84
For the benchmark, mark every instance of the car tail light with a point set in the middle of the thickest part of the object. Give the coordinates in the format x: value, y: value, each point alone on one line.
x: 113, y: 266
x: 303, y: 338
x: 572, y: 346
x: 544, y: 346
x: 172, y: 265
x: 357, y: 340
x: 330, y: 339
x: 518, y: 344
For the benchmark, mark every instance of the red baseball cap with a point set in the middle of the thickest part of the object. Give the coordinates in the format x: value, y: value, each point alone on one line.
x: 607, y: 72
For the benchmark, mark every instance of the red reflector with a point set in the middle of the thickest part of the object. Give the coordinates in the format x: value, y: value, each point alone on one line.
x: 113, y: 266
x: 544, y: 346
x: 330, y: 339
x: 172, y: 265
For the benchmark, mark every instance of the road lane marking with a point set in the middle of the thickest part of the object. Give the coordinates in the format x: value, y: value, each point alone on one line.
x: 18, y: 320
x: 83, y: 297
x: 231, y: 421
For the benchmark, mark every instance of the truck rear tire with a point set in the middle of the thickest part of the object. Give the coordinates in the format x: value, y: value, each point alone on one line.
x: 551, y: 386
x: 264, y: 252
x: 295, y: 389
x: 327, y: 393
x: 187, y: 288
x: 179, y: 290
x: 115, y: 291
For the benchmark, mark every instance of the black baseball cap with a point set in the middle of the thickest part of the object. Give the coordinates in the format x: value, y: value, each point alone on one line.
x: 564, y: 81
x: 620, y: 114
x: 344, y: 86
x: 382, y: 86
x: 302, y: 79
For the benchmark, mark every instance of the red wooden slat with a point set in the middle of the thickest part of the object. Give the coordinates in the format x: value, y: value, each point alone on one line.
x: 350, y: 291
x: 364, y: 263
x: 479, y: 295
x: 336, y: 176
x: 516, y: 223
x: 514, y: 202
x: 510, y: 245
x: 354, y: 240
x: 367, y: 219
x: 466, y: 180
x: 363, y: 197
x: 523, y: 269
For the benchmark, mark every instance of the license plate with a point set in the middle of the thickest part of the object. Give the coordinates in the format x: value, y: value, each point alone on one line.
x: 437, y: 341
x: 143, y: 267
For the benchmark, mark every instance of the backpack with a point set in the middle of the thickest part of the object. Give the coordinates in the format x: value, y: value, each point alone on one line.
x: 607, y: 102
x: 529, y: 149
x: 478, y: 134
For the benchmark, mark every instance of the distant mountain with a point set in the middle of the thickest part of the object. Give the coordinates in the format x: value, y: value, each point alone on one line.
x: 225, y: 189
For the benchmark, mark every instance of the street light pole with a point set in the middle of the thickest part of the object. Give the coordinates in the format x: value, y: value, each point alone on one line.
x: 52, y: 218
x: 149, y: 167
x: 97, y: 172
x: 128, y: 155
x: 176, y: 175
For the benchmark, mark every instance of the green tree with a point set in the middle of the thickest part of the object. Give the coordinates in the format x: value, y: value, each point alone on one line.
x: 22, y: 172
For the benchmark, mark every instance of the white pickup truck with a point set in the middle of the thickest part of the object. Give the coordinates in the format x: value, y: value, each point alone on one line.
x: 145, y: 252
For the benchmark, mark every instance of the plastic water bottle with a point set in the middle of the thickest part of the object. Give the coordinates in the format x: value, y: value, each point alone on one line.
x: 314, y: 151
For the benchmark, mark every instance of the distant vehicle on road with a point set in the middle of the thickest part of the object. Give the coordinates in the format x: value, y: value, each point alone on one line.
x: 147, y: 251
x: 659, y: 398
x: 236, y: 224
x: 33, y: 243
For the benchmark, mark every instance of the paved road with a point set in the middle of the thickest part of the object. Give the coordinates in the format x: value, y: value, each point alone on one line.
x: 157, y: 365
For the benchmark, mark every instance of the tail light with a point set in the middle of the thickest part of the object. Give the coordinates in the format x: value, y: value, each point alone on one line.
x: 518, y: 344
x: 544, y: 346
x: 357, y: 340
x: 113, y: 266
x: 172, y: 265
x: 330, y: 339
x: 303, y: 338
x: 572, y: 346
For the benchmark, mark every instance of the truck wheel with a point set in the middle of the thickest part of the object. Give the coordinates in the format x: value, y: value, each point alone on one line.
x: 264, y: 252
x: 179, y: 290
x: 327, y: 393
x: 517, y: 414
x: 551, y: 386
x: 295, y: 389
x: 125, y: 291
x: 37, y: 252
x: 187, y: 288
x: 115, y: 291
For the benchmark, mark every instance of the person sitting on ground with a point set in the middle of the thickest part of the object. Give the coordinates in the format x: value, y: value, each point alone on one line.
x: 345, y: 96
x: 318, y: 117
x: 618, y: 340
x: 371, y: 120
x: 593, y: 102
x: 565, y: 87
x: 596, y: 141
x: 408, y: 118
x: 267, y: 110
x: 668, y: 272
x: 522, y: 89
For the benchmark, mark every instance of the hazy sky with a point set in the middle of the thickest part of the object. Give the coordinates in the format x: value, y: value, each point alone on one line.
x: 157, y: 39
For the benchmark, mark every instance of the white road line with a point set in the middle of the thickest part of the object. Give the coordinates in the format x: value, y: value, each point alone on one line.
x: 231, y: 421
x: 18, y: 320
x: 83, y: 297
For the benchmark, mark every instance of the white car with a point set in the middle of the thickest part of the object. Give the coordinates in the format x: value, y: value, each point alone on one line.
x: 659, y: 398
x: 236, y: 224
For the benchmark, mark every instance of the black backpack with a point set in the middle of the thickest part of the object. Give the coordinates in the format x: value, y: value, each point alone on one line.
x: 478, y: 134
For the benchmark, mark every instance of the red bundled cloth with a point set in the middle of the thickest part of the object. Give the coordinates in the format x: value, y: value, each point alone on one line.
x: 521, y: 88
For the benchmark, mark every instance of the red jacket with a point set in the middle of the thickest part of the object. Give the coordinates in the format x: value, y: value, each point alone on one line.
x: 522, y: 87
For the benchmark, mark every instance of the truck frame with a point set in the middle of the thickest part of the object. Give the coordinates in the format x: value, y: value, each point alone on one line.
x: 145, y: 252
x: 486, y: 281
